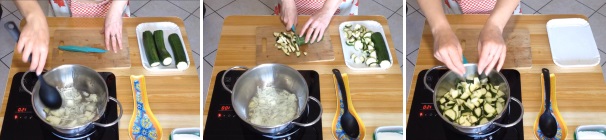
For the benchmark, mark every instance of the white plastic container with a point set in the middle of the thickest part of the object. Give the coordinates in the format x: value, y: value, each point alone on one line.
x: 348, y: 50
x: 590, y: 132
x: 389, y: 133
x: 185, y: 134
x: 572, y: 43
x: 168, y: 28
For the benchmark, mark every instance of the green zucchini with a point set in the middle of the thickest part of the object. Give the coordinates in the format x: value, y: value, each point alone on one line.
x: 178, y: 50
x: 381, y: 49
x: 162, y: 52
x: 150, y: 49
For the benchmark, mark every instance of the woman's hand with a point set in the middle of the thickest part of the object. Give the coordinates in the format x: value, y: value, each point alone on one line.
x: 113, y: 33
x: 314, y: 28
x: 34, y: 41
x: 288, y: 14
x: 448, y: 50
x: 492, y: 49
x: 113, y: 26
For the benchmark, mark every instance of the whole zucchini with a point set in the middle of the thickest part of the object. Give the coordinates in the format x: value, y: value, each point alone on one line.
x: 177, y: 46
x: 162, y: 52
x: 150, y: 49
x: 381, y: 49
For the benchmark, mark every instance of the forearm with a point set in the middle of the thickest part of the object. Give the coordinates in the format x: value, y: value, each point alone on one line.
x: 117, y: 8
x: 31, y: 10
x: 502, y: 12
x: 435, y: 15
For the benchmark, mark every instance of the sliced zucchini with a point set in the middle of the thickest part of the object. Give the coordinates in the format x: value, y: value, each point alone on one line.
x: 489, y: 109
x: 371, y: 60
x: 499, y: 108
x: 450, y: 114
x: 478, y: 111
x: 358, y: 45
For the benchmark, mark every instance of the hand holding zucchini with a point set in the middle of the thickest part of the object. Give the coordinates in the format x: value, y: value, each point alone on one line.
x: 472, y: 102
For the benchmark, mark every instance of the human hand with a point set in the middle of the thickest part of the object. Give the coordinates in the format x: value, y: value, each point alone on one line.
x: 288, y: 14
x: 34, y: 41
x: 113, y: 33
x: 448, y: 50
x: 492, y: 49
x: 314, y: 28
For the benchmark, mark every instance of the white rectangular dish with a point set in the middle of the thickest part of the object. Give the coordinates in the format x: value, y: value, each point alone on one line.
x: 168, y: 28
x: 185, y: 134
x: 389, y: 133
x: 373, y: 26
x: 572, y: 43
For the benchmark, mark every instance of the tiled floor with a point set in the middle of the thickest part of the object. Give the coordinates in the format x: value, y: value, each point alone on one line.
x: 217, y: 10
x: 188, y: 10
x: 594, y: 9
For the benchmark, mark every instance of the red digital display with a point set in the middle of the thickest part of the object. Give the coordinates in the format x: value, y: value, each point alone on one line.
x: 225, y: 108
x: 21, y: 110
x: 427, y: 107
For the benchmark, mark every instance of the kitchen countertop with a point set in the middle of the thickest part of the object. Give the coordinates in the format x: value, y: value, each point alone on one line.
x: 174, y: 97
x: 377, y: 95
x: 578, y: 89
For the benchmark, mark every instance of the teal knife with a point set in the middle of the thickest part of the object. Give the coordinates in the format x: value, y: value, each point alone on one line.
x: 85, y: 49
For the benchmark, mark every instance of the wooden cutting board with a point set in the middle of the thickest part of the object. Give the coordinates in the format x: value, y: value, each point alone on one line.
x: 92, y: 38
x: 268, y: 53
x: 518, y: 46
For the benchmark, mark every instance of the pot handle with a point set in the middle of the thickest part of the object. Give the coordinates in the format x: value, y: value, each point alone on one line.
x: 23, y: 85
x: 225, y: 73
x: 518, y: 120
x: 117, y: 119
x: 316, y: 120
x: 425, y: 78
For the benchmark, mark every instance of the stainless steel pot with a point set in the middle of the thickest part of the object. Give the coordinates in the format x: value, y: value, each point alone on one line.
x: 83, y: 79
x: 449, y: 80
x: 270, y: 75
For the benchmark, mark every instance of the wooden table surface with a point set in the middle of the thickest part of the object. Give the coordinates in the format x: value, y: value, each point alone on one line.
x: 174, y: 97
x: 377, y: 95
x: 579, y: 90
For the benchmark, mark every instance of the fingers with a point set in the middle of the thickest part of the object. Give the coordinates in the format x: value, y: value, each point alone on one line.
x: 493, y: 61
x: 119, y: 38
x: 114, y: 43
x: 27, y: 50
x: 455, y: 58
x: 21, y: 43
x: 288, y: 25
x: 449, y: 64
x: 502, y: 59
x: 305, y: 32
x: 107, y: 38
x: 35, y: 59
x: 315, y: 34
x: 43, y: 54
x: 322, y: 30
x: 484, y: 57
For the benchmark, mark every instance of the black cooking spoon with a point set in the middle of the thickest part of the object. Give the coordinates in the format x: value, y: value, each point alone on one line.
x: 348, y: 121
x: 547, y: 122
x: 49, y: 95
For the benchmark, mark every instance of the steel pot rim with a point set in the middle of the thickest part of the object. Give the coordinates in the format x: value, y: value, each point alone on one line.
x: 279, y: 126
x: 490, y: 122
x: 91, y: 122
